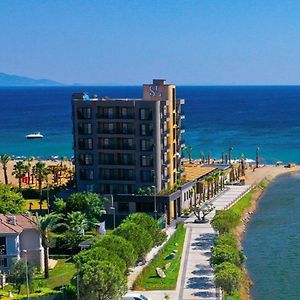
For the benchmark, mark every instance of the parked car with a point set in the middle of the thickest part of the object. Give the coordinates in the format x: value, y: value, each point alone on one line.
x: 135, y: 296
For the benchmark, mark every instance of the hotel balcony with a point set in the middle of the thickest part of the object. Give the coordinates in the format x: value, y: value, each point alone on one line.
x: 116, y: 116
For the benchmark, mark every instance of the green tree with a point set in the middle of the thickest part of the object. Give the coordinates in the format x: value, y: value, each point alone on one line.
x: 17, y: 274
x: 226, y: 239
x: 29, y: 169
x: 76, y: 221
x: 19, y: 171
x: 11, y: 202
x: 101, y: 280
x: 228, y: 277
x: 60, y: 205
x: 150, y: 224
x: 118, y: 245
x: 46, y: 225
x: 41, y: 172
x: 90, y: 204
x: 4, y: 159
x: 226, y: 253
x: 100, y: 254
x: 138, y: 236
x: 225, y: 220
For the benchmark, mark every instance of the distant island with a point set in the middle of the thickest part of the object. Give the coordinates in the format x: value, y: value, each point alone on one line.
x: 15, y: 80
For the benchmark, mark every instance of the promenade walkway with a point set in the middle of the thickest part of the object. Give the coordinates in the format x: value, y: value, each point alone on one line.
x: 195, y: 279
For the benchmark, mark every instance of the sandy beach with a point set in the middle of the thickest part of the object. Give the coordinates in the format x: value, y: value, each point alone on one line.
x: 12, y: 180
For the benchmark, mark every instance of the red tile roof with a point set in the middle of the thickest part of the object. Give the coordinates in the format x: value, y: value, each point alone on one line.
x: 22, y: 222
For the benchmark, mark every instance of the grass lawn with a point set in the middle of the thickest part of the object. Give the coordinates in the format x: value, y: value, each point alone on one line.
x: 60, y: 275
x: 236, y: 296
x: 243, y: 203
x: 148, y: 280
x: 35, y: 204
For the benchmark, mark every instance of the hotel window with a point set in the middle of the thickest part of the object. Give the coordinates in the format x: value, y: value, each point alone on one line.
x: 86, y: 159
x: 87, y: 113
x: 86, y: 174
x: 123, y: 207
x: 146, y: 176
x: 124, y: 112
x: 108, y: 112
x: 146, y: 161
x: 87, y: 128
x: 89, y: 187
x: 145, y: 145
x: 88, y: 144
x: 145, y: 129
x: 106, y: 142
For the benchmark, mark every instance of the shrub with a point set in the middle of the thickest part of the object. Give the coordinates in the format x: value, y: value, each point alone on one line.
x: 226, y: 239
x: 118, y: 245
x: 225, y: 220
x: 100, y: 254
x: 228, y: 277
x: 101, y: 280
x: 226, y: 253
x: 137, y: 236
x: 150, y: 224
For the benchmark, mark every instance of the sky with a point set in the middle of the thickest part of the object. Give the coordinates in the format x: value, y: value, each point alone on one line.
x: 203, y: 42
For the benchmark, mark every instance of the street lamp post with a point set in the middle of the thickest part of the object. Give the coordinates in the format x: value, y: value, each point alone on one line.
x: 26, y: 269
x: 113, y: 209
x: 154, y: 188
x: 257, y: 152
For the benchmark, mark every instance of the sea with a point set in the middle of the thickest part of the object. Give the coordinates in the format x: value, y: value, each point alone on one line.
x: 272, y: 242
x: 217, y: 117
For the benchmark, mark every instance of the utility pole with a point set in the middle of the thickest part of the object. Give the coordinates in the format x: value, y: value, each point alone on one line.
x: 26, y: 270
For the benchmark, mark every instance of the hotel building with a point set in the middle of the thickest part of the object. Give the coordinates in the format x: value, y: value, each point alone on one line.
x: 123, y: 145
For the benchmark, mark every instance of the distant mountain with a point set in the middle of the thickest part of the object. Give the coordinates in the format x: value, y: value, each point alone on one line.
x: 15, y: 80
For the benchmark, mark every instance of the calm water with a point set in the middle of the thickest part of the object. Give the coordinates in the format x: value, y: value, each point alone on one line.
x: 272, y: 242
x: 216, y: 118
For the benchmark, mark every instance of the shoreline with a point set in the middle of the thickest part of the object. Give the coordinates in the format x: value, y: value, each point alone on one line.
x: 261, y: 186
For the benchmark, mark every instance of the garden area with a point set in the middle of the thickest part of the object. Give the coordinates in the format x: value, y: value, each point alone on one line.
x: 227, y: 258
x: 168, y: 259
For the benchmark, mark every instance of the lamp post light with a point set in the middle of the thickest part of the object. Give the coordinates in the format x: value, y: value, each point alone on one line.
x: 113, y: 209
x: 229, y: 153
x: 26, y: 269
x: 154, y: 188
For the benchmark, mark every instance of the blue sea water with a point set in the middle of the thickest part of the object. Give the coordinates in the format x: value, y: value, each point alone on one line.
x: 216, y: 118
x: 272, y: 242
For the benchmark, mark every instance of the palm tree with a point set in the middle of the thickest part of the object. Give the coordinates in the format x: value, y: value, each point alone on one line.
x: 189, y: 151
x: 76, y: 221
x: 45, y: 226
x: 222, y: 174
x: 4, y: 159
x: 41, y: 172
x: 209, y: 180
x: 19, y: 171
x: 28, y: 168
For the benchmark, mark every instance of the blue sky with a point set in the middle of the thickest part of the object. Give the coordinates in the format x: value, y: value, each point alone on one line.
x: 132, y: 41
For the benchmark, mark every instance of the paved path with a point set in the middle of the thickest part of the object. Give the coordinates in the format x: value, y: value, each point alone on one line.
x: 195, y: 279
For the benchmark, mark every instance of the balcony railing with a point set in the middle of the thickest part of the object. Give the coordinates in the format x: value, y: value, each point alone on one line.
x: 128, y: 116
x: 116, y: 147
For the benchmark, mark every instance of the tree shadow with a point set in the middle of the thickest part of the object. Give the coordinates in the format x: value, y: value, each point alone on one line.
x: 204, y: 241
x: 203, y: 270
x: 205, y: 294
x: 200, y: 283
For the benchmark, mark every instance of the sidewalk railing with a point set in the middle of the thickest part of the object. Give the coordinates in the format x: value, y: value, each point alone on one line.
x: 234, y: 201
